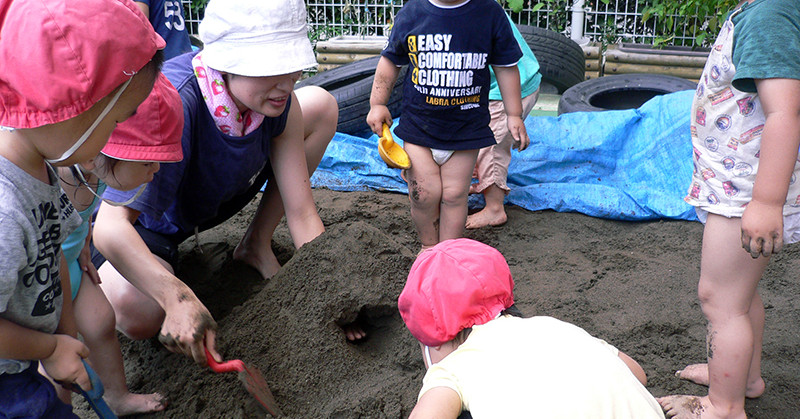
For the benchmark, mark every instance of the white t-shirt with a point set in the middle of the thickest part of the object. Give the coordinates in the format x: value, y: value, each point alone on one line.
x: 517, y: 367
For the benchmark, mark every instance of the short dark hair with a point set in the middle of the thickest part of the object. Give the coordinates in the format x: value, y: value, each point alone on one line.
x: 512, y: 310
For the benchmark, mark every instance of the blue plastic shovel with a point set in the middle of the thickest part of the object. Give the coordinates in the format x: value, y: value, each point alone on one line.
x: 95, y: 396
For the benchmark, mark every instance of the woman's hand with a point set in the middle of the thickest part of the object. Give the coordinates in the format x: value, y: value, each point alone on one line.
x: 189, y: 329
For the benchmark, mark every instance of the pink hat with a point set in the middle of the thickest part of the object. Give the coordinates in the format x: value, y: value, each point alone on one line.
x: 60, y: 57
x: 454, y: 285
x: 154, y: 132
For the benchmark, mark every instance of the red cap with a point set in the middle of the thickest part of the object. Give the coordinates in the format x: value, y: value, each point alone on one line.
x: 154, y: 132
x: 60, y: 57
x: 454, y: 285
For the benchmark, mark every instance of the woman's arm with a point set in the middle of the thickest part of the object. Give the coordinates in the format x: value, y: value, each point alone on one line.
x: 288, y: 159
x: 187, y: 326
x: 437, y: 403
x: 762, y: 221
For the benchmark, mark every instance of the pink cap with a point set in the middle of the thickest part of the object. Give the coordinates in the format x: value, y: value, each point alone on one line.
x: 154, y: 132
x: 454, y: 285
x: 60, y: 57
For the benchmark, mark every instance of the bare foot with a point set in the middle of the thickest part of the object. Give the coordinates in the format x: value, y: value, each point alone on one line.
x: 264, y: 262
x: 698, y: 374
x: 354, y: 332
x: 130, y: 403
x: 487, y: 217
x: 682, y: 406
x: 693, y: 407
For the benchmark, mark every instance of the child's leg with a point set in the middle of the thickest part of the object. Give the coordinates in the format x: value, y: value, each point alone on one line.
x: 492, y: 166
x: 698, y: 373
x: 320, y: 115
x: 727, y: 291
x: 424, y: 192
x: 456, y: 176
x: 95, y: 319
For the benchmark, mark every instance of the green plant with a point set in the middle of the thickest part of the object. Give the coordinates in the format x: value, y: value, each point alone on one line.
x: 198, y: 6
x: 668, y: 11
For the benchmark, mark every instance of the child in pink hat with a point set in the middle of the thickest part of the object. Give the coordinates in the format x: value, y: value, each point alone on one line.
x: 129, y: 159
x: 484, y: 358
x: 67, y: 77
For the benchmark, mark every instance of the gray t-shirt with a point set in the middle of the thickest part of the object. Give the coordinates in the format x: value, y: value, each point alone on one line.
x: 34, y: 219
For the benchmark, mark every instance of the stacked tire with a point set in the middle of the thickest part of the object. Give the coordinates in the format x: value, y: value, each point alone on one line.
x: 618, y: 92
x: 351, y: 85
x: 561, y: 60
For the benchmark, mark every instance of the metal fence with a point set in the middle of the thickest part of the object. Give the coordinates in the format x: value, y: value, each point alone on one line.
x: 611, y: 22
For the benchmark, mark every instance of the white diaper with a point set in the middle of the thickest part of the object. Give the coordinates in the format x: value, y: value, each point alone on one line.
x: 441, y: 156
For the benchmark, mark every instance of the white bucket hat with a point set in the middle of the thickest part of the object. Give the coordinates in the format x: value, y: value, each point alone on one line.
x: 256, y: 38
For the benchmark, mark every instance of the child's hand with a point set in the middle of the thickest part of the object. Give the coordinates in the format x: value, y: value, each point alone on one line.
x: 516, y: 126
x: 379, y: 115
x: 64, y: 364
x: 188, y: 329
x: 85, y: 259
x: 762, y: 229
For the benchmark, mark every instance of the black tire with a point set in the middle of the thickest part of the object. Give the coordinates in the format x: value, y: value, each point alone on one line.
x: 351, y: 85
x: 561, y: 60
x: 622, y: 91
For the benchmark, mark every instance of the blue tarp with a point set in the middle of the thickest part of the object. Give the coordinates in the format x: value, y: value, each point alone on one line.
x: 627, y: 165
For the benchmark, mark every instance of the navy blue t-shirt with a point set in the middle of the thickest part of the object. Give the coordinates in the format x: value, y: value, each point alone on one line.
x: 166, y: 16
x: 449, y: 50
x: 216, y: 167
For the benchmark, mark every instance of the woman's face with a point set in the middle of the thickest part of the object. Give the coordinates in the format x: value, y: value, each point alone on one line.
x: 266, y: 95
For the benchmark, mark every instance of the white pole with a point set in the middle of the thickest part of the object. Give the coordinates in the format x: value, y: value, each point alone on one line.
x: 576, y: 30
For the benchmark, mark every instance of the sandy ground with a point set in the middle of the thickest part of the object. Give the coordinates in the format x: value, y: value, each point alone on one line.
x: 632, y: 284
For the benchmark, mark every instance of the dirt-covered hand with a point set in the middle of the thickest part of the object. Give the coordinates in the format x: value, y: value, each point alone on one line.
x: 65, y: 364
x: 516, y: 126
x: 762, y: 229
x: 377, y: 116
x: 188, y: 328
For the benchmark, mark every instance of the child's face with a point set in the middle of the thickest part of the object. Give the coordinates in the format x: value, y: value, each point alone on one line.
x: 265, y: 95
x: 125, y: 107
x: 125, y: 175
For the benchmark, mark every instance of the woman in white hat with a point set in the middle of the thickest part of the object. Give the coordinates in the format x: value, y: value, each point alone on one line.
x: 244, y: 125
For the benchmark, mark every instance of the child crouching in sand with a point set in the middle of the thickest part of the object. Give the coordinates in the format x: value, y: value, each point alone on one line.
x: 485, y: 359
x: 129, y: 159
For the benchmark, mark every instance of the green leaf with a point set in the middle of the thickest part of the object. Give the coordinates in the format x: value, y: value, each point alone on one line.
x: 537, y: 6
x: 515, y: 5
x: 698, y: 40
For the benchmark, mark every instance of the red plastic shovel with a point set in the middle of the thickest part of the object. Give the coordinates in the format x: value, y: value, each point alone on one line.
x: 253, y: 381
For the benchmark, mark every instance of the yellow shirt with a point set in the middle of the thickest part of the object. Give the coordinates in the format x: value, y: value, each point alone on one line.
x: 517, y: 367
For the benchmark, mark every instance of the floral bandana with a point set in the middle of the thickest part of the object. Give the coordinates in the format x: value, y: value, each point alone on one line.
x: 220, y: 103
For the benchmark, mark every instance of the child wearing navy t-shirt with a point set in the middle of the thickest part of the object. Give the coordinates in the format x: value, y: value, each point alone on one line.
x: 445, y: 101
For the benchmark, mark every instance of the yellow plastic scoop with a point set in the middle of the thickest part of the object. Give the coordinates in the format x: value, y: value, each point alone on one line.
x: 391, y: 152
